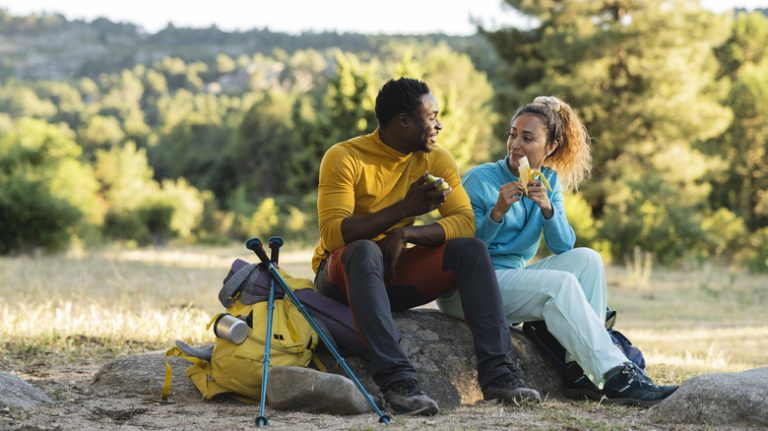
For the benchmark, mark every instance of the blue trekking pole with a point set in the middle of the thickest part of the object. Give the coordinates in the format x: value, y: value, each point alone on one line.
x: 261, y: 421
x: 254, y: 244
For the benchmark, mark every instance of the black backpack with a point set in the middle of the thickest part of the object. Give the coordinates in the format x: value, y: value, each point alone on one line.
x: 538, y: 333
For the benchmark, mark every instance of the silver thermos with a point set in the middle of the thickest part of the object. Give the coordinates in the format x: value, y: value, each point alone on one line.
x: 231, y: 328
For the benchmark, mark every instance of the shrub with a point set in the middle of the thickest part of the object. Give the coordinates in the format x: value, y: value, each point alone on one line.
x: 31, y: 217
x: 726, y: 232
x: 758, y: 250
x: 126, y: 225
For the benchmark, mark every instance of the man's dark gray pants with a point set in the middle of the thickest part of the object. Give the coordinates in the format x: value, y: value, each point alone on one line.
x: 372, y: 302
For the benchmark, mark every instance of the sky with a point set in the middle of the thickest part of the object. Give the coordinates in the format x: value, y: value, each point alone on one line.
x: 295, y: 16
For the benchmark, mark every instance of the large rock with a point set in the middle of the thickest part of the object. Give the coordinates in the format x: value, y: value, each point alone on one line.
x: 441, y: 349
x: 15, y: 393
x: 439, y: 346
x: 305, y: 389
x: 143, y: 375
x: 718, y: 399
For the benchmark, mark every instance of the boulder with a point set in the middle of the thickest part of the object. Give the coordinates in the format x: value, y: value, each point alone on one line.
x: 143, y: 375
x: 439, y: 346
x: 718, y: 399
x: 15, y: 393
x: 305, y: 389
x: 441, y: 349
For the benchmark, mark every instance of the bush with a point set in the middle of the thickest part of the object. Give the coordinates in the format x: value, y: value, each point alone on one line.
x: 150, y: 223
x: 48, y: 194
x: 215, y: 224
x: 186, y: 204
x: 156, y: 216
x: 263, y: 221
x: 758, y: 250
x: 31, y: 217
x: 126, y: 225
x: 725, y: 231
x: 580, y: 217
x: 652, y: 215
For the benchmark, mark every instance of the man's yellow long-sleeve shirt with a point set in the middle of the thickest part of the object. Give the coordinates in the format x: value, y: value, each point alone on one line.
x: 363, y: 176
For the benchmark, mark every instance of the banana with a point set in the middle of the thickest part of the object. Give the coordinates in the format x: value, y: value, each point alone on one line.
x: 527, y: 174
x: 443, y: 186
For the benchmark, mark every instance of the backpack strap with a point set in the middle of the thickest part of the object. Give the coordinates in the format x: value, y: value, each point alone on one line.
x: 175, y: 351
x: 319, y: 363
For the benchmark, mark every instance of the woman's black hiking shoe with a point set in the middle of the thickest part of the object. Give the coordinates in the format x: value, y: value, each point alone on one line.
x: 508, y: 389
x: 577, y: 385
x: 629, y: 385
x: 406, y: 398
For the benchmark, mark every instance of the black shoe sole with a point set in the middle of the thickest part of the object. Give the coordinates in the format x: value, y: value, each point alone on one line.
x: 578, y: 393
x: 424, y: 411
x: 522, y: 396
x: 631, y: 402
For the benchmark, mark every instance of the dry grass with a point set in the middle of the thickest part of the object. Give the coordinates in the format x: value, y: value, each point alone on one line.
x: 61, y: 317
x: 56, y: 309
x: 67, y: 308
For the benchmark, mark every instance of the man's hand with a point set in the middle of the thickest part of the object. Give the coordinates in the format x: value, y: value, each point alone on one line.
x: 391, y: 246
x: 538, y: 193
x: 509, y: 193
x: 423, y: 196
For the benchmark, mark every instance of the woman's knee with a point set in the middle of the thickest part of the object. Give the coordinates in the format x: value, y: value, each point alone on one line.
x: 587, y: 254
x: 567, y: 286
x: 587, y: 257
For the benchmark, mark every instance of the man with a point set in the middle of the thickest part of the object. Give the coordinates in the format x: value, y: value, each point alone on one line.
x: 371, y: 189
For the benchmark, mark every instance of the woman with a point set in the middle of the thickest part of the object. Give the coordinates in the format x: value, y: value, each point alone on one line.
x: 566, y: 290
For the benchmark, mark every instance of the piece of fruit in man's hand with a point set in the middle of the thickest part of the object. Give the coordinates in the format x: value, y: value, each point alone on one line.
x: 443, y: 186
x: 527, y: 174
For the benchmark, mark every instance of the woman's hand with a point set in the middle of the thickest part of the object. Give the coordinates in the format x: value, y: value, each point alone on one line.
x: 538, y: 193
x: 509, y: 193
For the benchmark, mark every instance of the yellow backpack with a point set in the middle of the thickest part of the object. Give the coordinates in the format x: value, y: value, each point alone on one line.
x: 237, y: 368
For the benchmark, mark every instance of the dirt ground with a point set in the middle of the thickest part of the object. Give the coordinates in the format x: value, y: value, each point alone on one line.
x: 77, y: 407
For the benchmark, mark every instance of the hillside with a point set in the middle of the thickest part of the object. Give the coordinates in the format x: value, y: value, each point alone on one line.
x: 50, y: 46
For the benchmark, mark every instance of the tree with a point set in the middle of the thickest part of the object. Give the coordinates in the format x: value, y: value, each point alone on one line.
x: 261, y: 159
x: 47, y: 195
x: 100, y: 132
x: 741, y: 183
x: 465, y: 100
x: 642, y: 77
x: 343, y: 110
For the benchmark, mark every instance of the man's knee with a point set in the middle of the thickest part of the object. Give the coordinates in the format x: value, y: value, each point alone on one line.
x: 467, y: 249
x: 468, y: 243
x: 362, y: 254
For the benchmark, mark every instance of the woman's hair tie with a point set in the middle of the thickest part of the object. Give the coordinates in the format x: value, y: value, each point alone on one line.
x: 551, y: 101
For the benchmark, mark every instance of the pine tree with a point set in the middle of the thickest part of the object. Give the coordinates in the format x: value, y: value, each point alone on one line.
x: 641, y: 74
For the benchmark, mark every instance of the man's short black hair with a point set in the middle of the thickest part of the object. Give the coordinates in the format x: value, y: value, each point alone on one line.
x: 396, y: 96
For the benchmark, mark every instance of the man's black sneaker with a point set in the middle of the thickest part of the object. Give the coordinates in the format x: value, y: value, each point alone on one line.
x: 406, y: 398
x: 508, y: 389
x: 628, y: 384
x: 577, y: 385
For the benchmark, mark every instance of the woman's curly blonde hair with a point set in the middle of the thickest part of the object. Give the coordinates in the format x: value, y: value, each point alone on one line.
x: 572, y: 159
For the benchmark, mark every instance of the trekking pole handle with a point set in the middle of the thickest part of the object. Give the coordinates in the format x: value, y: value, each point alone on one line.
x: 275, y: 243
x: 254, y: 244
